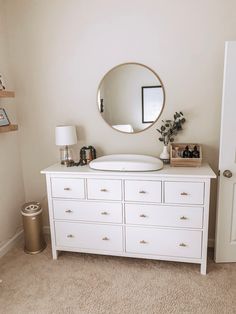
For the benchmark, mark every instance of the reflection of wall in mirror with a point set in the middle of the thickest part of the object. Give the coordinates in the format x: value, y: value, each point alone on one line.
x: 121, y: 92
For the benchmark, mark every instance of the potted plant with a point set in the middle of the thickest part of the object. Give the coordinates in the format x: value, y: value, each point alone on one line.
x: 168, y: 131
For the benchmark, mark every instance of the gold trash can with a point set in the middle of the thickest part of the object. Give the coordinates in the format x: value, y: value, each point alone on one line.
x: 33, y: 228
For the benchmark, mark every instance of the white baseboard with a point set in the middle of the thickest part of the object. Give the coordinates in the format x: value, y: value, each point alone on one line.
x: 211, y: 243
x: 6, y: 247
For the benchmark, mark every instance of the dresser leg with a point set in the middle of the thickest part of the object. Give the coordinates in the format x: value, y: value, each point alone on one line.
x: 54, y: 254
x: 204, y: 268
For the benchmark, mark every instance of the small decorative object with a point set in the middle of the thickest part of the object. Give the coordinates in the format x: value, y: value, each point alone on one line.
x: 3, y: 118
x: 2, y: 87
x: 86, y: 155
x: 185, y: 155
x: 168, y: 131
x: 66, y: 136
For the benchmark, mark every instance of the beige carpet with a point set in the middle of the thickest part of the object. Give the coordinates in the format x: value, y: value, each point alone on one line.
x: 81, y: 283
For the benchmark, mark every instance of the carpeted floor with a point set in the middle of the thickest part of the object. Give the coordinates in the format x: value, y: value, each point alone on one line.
x: 81, y: 283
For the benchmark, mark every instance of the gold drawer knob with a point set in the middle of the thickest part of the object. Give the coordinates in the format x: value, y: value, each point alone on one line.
x: 142, y: 192
x: 143, y: 242
x: 184, y: 193
x: 70, y: 236
x: 68, y: 211
x: 183, y: 218
x: 104, y: 213
x: 67, y: 189
x: 182, y: 244
x: 143, y: 216
x: 105, y: 239
x: 104, y: 190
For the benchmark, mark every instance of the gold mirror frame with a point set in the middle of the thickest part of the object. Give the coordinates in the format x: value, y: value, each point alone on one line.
x: 158, y: 78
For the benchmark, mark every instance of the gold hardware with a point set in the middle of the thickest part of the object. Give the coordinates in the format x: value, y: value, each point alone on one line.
x: 143, y: 242
x: 104, y: 213
x: 183, y: 193
x: 103, y: 190
x: 66, y: 189
x: 227, y: 174
x: 183, y: 244
x: 183, y: 218
x: 68, y: 211
x: 142, y: 192
x: 142, y: 215
x: 105, y: 239
x: 70, y: 236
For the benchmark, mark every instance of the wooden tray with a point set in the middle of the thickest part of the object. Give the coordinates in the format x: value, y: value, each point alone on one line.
x: 184, y: 162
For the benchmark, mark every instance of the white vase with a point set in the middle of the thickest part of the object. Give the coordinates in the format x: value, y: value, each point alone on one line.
x: 165, y: 156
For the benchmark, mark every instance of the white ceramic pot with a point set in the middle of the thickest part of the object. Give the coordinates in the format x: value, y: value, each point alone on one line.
x: 165, y: 156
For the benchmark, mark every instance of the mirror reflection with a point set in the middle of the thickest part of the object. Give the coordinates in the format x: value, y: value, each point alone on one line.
x: 131, y: 97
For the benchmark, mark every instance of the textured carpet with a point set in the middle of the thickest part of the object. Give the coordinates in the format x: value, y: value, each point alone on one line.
x: 81, y: 283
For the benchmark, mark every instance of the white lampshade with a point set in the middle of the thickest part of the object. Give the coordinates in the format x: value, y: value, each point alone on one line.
x: 66, y: 135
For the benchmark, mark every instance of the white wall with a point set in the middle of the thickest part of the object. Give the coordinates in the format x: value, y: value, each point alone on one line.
x: 11, y: 180
x: 61, y: 49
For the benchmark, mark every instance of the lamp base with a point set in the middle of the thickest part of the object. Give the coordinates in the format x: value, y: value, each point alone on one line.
x: 66, y: 155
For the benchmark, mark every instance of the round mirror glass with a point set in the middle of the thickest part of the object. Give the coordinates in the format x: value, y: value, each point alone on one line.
x: 131, y: 97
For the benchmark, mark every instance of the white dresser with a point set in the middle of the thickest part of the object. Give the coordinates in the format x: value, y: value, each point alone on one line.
x: 157, y: 215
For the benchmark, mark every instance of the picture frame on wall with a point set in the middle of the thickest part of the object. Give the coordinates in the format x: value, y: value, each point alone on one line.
x: 3, y: 118
x: 152, y: 101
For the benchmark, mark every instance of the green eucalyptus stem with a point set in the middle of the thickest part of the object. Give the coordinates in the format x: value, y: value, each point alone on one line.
x: 170, y: 128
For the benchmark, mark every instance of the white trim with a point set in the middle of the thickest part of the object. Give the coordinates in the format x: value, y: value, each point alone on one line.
x: 6, y: 247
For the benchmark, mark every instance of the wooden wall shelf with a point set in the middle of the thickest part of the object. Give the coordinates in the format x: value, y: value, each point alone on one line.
x: 6, y: 94
x: 8, y: 128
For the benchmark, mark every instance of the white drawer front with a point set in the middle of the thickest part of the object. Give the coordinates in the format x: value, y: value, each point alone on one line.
x: 181, y: 243
x: 67, y: 188
x: 170, y: 216
x: 99, y: 189
x: 184, y: 192
x: 87, y: 236
x: 87, y: 211
x: 143, y: 191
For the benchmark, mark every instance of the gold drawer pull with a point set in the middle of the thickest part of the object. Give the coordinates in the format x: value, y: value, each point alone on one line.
x: 67, y: 189
x: 104, y: 190
x: 183, y: 193
x: 143, y: 216
x: 70, y: 236
x: 182, y: 244
x: 105, y: 239
x: 142, y: 192
x: 183, y: 218
x: 143, y: 242
x: 104, y: 213
x: 68, y: 211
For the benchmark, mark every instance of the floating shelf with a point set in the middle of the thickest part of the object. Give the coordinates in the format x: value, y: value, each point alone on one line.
x: 5, y: 94
x: 8, y: 128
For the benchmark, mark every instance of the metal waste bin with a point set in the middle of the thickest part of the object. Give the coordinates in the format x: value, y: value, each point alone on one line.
x: 33, y: 229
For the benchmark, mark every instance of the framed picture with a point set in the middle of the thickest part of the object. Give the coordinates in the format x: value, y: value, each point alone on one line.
x: 3, y: 118
x: 152, y: 101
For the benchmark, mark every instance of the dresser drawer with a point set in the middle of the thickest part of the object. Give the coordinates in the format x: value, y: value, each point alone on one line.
x: 67, y: 188
x: 87, y: 211
x: 170, y: 216
x: 184, y: 192
x: 179, y: 243
x: 143, y: 191
x: 99, y: 189
x: 87, y: 236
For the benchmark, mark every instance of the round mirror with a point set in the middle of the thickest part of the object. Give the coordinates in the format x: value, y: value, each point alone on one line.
x: 131, y: 97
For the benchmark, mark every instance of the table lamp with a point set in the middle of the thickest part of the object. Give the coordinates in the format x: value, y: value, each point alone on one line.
x: 66, y: 136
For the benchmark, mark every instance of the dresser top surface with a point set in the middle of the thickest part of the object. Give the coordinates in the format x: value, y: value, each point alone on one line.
x: 203, y: 171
